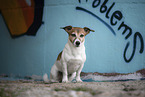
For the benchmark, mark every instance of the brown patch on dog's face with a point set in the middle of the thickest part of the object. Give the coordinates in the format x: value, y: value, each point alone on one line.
x: 77, y: 34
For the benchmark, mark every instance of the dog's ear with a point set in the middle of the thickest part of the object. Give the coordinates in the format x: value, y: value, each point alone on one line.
x: 67, y: 28
x: 87, y: 30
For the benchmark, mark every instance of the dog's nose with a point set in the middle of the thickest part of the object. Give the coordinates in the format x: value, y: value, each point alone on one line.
x: 77, y: 43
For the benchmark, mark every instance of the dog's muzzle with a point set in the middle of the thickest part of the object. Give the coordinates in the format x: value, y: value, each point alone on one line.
x: 77, y: 42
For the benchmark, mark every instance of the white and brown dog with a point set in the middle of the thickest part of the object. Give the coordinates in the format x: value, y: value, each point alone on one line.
x: 71, y: 60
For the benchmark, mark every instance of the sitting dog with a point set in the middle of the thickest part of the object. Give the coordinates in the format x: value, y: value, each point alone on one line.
x: 71, y: 60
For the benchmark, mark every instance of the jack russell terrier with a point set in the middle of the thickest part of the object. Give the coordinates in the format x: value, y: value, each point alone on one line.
x: 71, y: 60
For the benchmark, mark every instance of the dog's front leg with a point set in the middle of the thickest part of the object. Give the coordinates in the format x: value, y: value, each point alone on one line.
x: 65, y: 73
x: 78, y: 79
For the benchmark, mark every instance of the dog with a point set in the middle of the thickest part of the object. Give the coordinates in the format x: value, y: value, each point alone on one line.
x: 70, y: 61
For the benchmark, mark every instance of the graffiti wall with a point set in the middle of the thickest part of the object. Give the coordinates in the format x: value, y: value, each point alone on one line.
x: 117, y: 46
x: 22, y: 16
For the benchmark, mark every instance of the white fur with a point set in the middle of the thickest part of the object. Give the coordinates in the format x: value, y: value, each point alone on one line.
x: 76, y: 41
x: 45, y: 78
x: 71, y: 63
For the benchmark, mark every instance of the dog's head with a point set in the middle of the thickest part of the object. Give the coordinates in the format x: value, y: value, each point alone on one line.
x: 77, y: 34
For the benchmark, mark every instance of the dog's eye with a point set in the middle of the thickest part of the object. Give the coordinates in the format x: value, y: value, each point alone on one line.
x: 81, y: 35
x: 73, y: 35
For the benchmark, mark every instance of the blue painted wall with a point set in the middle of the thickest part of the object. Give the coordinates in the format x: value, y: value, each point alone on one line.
x: 105, y: 48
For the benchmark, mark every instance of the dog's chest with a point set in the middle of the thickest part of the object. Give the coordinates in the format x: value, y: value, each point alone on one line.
x: 73, y: 65
x: 74, y: 57
x: 70, y: 53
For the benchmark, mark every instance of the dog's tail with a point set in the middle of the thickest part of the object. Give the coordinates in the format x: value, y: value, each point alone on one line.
x: 45, y: 78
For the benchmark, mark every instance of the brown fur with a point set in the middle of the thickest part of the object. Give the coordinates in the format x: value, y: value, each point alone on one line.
x: 59, y: 56
x: 77, y: 31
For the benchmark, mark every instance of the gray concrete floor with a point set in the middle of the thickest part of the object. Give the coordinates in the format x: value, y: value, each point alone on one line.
x: 23, y: 88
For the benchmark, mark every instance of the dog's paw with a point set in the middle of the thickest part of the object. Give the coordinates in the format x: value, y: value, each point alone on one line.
x: 65, y: 81
x: 79, y: 80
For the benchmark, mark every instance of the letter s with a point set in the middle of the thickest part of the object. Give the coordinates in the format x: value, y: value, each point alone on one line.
x: 137, y: 34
